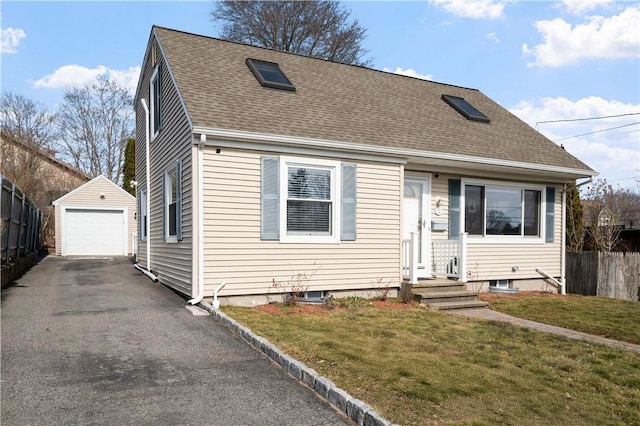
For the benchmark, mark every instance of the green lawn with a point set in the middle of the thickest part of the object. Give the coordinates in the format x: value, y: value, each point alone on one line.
x: 615, y: 319
x: 417, y: 366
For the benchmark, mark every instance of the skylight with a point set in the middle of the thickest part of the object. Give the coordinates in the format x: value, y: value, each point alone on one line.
x: 269, y: 74
x: 465, y: 108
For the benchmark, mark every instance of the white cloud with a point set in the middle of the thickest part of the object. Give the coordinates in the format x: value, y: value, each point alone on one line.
x: 77, y: 76
x: 11, y: 38
x: 475, y: 9
x: 615, y: 154
x: 410, y: 73
x: 578, y: 7
x: 493, y: 37
x: 616, y: 36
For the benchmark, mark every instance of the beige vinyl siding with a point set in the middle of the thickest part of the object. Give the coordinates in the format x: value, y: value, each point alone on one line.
x: 89, y: 197
x: 487, y: 261
x: 234, y: 251
x: 171, y: 262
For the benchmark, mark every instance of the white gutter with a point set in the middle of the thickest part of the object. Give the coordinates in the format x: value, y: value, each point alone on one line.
x: 148, y: 197
x: 200, y: 159
x: 237, y: 135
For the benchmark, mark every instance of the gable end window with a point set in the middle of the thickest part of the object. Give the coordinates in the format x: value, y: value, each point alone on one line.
x: 269, y: 74
x: 308, y: 200
x: 155, y: 97
x: 465, y: 108
x: 492, y: 210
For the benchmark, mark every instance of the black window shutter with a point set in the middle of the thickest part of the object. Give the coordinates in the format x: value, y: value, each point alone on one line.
x: 550, y: 219
x: 454, y: 209
x: 270, y: 198
x: 348, y: 203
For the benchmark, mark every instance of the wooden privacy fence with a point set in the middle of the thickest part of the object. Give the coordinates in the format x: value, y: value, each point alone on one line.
x: 615, y: 275
x: 20, y: 223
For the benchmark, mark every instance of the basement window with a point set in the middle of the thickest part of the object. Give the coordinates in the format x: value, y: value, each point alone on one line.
x: 499, y: 283
x: 465, y: 108
x: 269, y: 74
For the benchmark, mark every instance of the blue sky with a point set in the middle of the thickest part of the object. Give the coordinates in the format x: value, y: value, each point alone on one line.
x: 542, y: 60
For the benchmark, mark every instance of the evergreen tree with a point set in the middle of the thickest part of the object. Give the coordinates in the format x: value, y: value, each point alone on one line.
x: 129, y: 167
x: 575, y: 219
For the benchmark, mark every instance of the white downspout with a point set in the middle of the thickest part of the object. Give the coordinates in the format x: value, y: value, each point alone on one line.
x: 200, y: 159
x: 563, y: 239
x: 147, y: 271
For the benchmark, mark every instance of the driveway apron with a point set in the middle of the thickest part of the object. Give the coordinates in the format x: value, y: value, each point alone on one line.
x: 93, y: 341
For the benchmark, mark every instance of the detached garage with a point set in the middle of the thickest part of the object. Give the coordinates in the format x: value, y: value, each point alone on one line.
x: 95, y: 219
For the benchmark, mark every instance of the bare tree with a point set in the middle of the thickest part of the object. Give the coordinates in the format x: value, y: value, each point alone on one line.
x: 97, y: 120
x: 27, y: 128
x: 317, y: 28
x: 608, y: 210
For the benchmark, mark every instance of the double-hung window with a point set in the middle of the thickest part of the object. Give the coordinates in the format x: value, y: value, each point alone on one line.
x: 310, y: 199
x: 307, y: 200
x: 503, y: 210
x: 155, y: 93
x: 143, y: 215
x: 173, y: 204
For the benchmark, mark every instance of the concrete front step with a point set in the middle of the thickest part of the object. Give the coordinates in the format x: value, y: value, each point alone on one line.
x: 442, y: 306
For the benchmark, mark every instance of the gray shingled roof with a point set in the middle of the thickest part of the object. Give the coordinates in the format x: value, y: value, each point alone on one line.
x: 344, y: 103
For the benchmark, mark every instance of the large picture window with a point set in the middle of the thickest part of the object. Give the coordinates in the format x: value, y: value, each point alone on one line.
x: 502, y: 210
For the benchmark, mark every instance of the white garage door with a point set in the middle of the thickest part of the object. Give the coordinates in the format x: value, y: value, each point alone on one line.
x: 94, y: 232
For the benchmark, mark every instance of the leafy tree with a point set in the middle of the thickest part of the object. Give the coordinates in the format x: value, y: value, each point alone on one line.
x: 575, y: 229
x: 317, y: 28
x: 129, y: 168
x: 96, y: 120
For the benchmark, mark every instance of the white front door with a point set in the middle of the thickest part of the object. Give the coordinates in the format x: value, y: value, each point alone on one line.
x: 416, y: 218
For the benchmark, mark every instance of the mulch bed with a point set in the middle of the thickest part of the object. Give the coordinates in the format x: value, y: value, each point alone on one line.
x: 281, y: 309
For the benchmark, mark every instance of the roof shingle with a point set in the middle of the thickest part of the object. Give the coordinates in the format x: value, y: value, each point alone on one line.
x: 344, y: 103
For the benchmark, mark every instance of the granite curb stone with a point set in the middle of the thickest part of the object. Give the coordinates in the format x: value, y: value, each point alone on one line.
x: 356, y: 410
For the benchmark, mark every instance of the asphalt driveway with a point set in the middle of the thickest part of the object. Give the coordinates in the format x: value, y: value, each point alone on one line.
x: 93, y: 341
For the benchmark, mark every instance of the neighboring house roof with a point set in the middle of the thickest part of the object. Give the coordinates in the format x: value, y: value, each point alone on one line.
x: 45, y: 156
x: 89, y: 184
x: 348, y: 104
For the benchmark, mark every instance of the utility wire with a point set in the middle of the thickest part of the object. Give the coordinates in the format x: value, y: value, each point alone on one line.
x: 586, y: 119
x: 598, y: 131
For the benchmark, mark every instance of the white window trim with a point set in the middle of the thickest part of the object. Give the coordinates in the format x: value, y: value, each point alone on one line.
x: 143, y: 213
x: 504, y: 239
x: 152, y: 101
x: 334, y: 166
x: 167, y: 196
